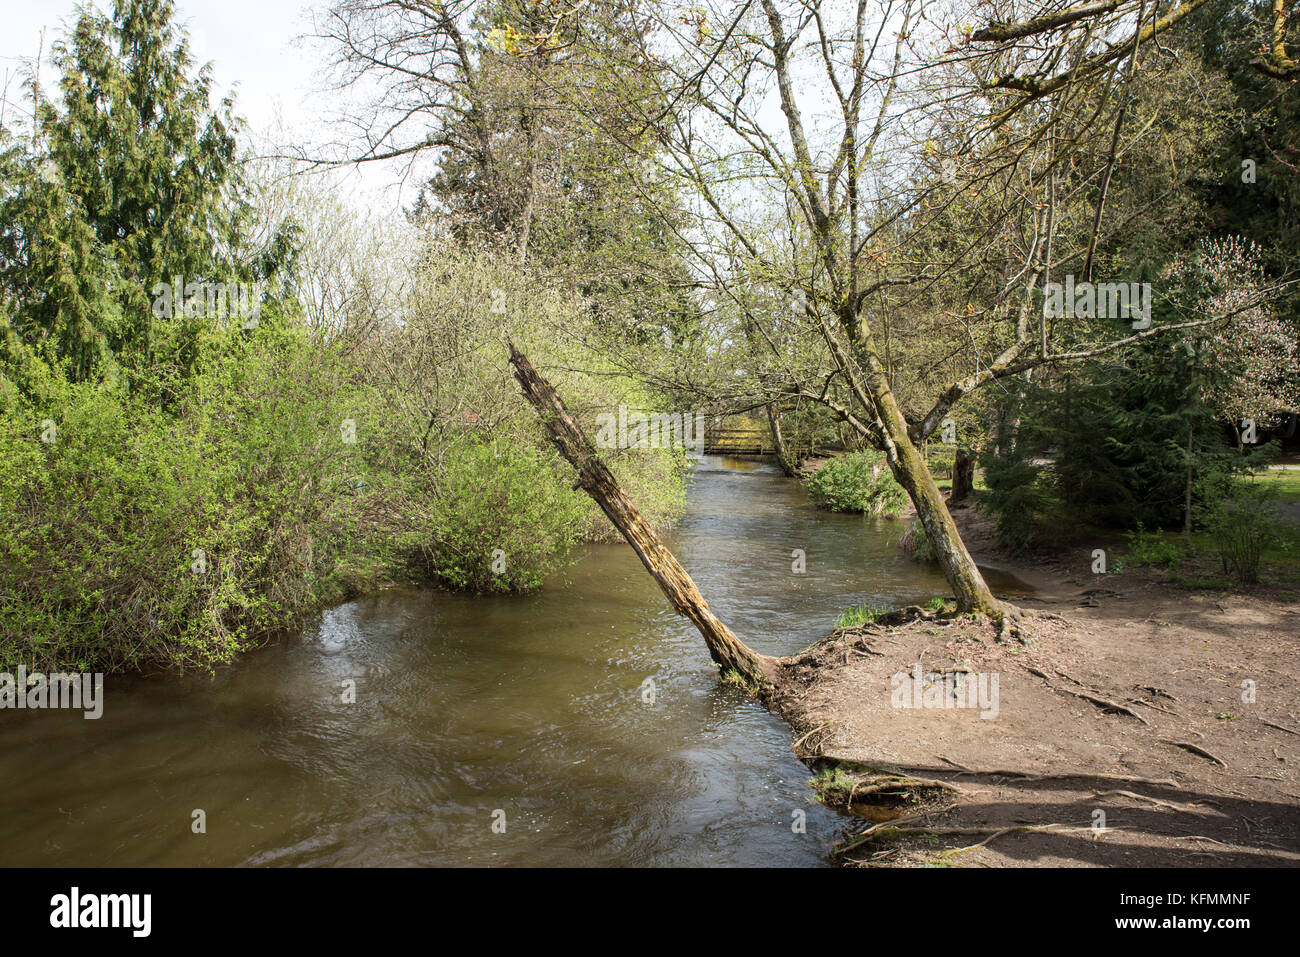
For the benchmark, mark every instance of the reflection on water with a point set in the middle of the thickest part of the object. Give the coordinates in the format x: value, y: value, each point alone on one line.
x: 531, y: 706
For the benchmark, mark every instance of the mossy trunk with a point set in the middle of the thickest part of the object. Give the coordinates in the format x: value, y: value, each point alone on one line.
x: 963, y: 576
x: 788, y: 466
x: 909, y: 468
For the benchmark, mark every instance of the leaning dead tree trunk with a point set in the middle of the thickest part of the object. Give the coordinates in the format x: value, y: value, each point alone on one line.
x: 595, y: 479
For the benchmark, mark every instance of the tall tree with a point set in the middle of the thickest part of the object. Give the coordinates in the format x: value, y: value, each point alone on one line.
x: 935, y: 161
x: 129, y: 178
x: 510, y: 113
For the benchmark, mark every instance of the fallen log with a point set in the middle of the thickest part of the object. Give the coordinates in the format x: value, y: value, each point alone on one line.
x: 594, y: 478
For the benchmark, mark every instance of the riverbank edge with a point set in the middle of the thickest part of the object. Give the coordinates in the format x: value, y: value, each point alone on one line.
x: 900, y: 807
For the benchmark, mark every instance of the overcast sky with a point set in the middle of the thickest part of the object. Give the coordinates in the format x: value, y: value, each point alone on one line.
x: 251, y: 45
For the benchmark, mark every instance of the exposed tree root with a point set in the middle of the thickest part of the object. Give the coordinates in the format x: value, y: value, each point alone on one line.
x: 953, y: 852
x: 795, y: 747
x: 906, y: 615
x: 1013, y: 624
x: 1198, y: 751
x: 1105, y: 704
x: 890, y: 830
x: 1153, y: 707
x: 874, y: 792
x: 1278, y: 726
x: 1173, y: 805
x: 1070, y: 776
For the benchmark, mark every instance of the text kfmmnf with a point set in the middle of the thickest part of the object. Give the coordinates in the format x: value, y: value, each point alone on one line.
x: 102, y: 910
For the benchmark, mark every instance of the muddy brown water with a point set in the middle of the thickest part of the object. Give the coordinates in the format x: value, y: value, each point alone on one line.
x: 529, y: 712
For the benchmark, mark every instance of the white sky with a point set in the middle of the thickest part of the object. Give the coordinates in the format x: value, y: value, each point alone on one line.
x: 253, y: 48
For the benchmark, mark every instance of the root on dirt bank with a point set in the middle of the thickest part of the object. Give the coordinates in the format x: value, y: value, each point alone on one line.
x: 878, y: 794
x: 842, y: 643
x: 892, y: 831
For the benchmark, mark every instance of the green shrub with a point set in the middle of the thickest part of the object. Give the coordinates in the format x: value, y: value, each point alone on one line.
x: 142, y: 537
x: 857, y: 482
x: 1242, y: 525
x: 1153, y: 549
x: 498, y: 519
x: 915, y: 544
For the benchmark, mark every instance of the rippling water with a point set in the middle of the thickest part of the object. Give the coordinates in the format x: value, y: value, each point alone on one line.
x: 532, y: 707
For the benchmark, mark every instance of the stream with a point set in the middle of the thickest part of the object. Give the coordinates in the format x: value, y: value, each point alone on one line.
x: 527, y: 713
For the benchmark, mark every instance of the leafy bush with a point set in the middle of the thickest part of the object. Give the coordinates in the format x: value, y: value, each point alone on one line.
x: 145, y: 537
x: 1242, y: 525
x: 915, y: 544
x: 857, y: 482
x: 497, y: 519
x: 1153, y: 549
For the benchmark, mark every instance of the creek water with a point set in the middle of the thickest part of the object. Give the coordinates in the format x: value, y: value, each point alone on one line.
x: 528, y: 712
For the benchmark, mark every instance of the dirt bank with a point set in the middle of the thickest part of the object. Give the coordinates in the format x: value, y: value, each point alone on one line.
x: 1119, y: 735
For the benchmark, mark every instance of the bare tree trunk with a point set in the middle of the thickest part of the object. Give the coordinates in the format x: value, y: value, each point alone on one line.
x: 596, y: 480
x: 963, y: 476
x: 909, y: 468
x: 789, y: 467
x: 963, y: 575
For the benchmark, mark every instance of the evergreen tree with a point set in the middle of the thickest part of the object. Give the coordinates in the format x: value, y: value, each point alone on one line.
x: 130, y: 179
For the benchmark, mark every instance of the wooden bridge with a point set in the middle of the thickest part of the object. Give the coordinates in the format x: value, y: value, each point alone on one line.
x: 719, y: 441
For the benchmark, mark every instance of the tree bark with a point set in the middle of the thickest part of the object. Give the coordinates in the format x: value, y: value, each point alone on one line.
x: 963, y: 476
x: 789, y: 467
x: 963, y: 575
x: 909, y: 468
x: 596, y: 480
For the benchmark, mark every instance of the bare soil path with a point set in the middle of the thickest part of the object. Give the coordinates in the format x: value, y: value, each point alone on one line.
x: 1148, y: 725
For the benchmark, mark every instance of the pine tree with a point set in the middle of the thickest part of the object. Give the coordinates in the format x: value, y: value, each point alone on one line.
x: 130, y: 179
